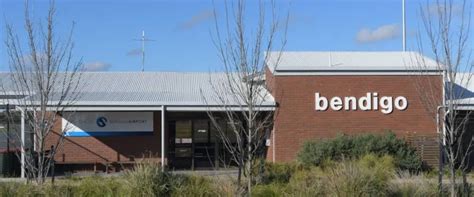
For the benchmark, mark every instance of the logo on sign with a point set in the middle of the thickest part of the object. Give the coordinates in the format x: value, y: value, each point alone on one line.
x: 101, y: 121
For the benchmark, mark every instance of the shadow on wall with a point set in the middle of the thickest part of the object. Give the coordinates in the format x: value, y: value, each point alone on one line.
x: 108, y: 149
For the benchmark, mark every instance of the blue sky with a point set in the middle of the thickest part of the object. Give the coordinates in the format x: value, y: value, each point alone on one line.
x: 105, y: 29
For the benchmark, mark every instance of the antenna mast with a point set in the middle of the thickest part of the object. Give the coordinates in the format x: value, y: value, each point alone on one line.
x: 404, y: 39
x: 143, y: 39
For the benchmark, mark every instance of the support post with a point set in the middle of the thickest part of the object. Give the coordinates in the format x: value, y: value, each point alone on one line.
x: 9, y: 118
x: 34, y: 134
x: 440, y: 169
x: 163, y: 108
x: 22, y: 128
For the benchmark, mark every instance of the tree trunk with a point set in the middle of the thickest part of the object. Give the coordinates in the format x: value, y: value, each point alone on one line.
x: 453, y: 181
x: 239, y: 176
x: 249, y: 174
x: 465, y: 185
x: 249, y: 155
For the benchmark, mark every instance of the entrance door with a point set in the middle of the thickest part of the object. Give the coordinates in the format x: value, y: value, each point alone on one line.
x: 204, y: 151
x: 181, y: 141
x: 191, y: 144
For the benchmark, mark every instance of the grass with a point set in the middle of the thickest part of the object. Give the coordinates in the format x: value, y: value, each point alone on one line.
x: 407, y: 184
x: 370, y: 175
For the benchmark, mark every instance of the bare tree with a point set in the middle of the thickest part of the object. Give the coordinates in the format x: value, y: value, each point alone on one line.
x: 49, y: 81
x: 244, y: 116
x: 447, y: 25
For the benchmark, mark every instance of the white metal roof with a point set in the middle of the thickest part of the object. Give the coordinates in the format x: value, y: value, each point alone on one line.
x: 304, y: 61
x: 464, y: 89
x: 154, y: 89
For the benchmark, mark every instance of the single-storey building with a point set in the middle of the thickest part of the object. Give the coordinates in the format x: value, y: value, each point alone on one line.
x: 124, y: 116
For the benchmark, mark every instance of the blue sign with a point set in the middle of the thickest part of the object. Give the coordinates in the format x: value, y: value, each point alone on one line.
x: 87, y: 124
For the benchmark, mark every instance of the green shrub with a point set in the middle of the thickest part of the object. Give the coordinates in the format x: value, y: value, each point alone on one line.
x: 22, y: 189
x: 270, y: 190
x: 96, y: 186
x: 277, y: 172
x: 148, y: 179
x: 368, y: 176
x: 383, y: 167
x: 316, y: 152
x: 385, y: 162
x: 289, y: 179
x: 8, y: 189
x: 306, y: 182
x: 349, y: 178
x: 226, y: 186
x: 353, y: 147
x: 196, y: 186
x: 405, y: 184
x: 302, y: 183
x: 60, y: 190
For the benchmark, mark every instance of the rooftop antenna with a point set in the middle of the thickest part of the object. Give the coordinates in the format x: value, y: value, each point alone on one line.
x: 143, y: 39
x: 404, y: 33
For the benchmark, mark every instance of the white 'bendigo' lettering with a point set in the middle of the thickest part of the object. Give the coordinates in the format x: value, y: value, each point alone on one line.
x: 370, y: 101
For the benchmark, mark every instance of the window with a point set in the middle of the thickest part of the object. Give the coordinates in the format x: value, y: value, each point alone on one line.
x: 3, y: 119
x: 183, y: 132
x: 201, y: 131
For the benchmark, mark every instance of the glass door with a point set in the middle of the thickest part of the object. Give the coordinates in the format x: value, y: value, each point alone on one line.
x: 192, y: 144
x: 204, y: 150
x: 181, y: 143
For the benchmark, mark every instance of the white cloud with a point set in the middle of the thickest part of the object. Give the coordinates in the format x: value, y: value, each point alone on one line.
x: 96, y: 66
x: 134, y: 52
x: 196, y: 19
x: 384, y: 32
x: 435, y: 9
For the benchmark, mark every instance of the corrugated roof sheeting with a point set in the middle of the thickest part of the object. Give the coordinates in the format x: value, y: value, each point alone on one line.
x: 154, y: 88
x: 347, y: 61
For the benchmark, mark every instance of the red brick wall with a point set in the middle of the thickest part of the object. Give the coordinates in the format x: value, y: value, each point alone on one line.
x: 297, y: 120
x: 109, y: 149
x: 269, y: 80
